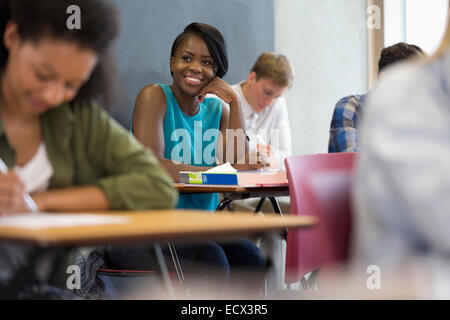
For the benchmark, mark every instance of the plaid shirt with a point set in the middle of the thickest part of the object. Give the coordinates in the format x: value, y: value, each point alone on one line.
x: 344, y: 130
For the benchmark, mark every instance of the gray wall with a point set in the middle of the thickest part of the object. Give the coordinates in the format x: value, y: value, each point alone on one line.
x: 150, y: 26
x: 326, y: 42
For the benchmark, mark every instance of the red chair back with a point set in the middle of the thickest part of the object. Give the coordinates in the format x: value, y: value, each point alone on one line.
x: 330, y: 195
x: 304, y: 251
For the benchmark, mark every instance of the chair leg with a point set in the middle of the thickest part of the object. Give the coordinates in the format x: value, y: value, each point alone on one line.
x: 312, y: 279
x: 304, y: 283
x: 176, y: 263
x: 260, y: 204
x: 223, y: 204
x: 276, y: 208
x: 308, y: 281
x: 164, y: 271
x: 275, y: 205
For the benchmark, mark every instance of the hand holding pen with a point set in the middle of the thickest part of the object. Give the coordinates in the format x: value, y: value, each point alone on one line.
x: 13, y: 197
x: 261, y: 156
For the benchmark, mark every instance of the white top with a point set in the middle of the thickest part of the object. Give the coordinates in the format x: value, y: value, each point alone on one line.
x: 271, y: 125
x: 402, y: 191
x: 36, y: 174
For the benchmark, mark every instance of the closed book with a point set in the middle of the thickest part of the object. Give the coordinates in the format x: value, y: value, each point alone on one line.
x: 208, y: 178
x: 241, y: 178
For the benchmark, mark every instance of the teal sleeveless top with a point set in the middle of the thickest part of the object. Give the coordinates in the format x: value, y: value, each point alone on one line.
x: 193, y: 140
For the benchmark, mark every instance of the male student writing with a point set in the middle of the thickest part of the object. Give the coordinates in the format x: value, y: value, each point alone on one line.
x: 264, y: 108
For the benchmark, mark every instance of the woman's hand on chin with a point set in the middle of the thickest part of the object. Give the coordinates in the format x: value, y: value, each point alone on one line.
x: 220, y: 88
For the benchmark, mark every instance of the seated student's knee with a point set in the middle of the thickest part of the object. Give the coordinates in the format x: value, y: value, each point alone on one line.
x: 214, y: 255
x: 244, y: 254
x: 207, y: 262
x: 208, y: 255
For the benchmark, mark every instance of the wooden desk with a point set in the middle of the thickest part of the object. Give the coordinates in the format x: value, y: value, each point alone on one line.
x: 140, y: 227
x: 157, y: 226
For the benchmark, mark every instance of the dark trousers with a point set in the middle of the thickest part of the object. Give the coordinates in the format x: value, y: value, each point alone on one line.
x: 220, y: 264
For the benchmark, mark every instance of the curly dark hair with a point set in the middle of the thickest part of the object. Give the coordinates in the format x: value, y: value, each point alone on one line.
x: 397, y: 52
x: 37, y: 19
x: 214, y: 40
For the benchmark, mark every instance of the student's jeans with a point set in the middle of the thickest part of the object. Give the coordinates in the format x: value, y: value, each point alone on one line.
x: 220, y: 263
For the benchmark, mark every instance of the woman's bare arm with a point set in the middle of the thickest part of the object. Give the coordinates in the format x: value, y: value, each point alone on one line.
x: 148, y: 118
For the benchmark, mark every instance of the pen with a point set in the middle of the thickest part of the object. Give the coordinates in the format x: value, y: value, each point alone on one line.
x: 28, y: 200
x: 262, y: 156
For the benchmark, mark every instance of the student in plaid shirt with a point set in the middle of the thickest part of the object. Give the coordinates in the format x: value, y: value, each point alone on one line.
x: 344, y: 129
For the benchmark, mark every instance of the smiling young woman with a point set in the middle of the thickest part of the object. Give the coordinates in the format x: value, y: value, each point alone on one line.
x: 182, y: 127
x: 192, y: 67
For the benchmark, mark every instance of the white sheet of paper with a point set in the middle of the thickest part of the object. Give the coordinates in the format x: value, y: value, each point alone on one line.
x: 58, y: 220
x: 224, y: 168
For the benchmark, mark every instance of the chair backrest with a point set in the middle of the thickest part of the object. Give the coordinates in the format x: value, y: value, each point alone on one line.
x: 303, y: 251
x: 329, y: 193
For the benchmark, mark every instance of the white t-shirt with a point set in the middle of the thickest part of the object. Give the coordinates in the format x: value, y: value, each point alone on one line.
x: 271, y: 125
x: 36, y: 174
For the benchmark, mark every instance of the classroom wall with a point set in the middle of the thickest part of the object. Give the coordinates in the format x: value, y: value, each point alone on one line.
x: 150, y: 26
x: 326, y: 42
